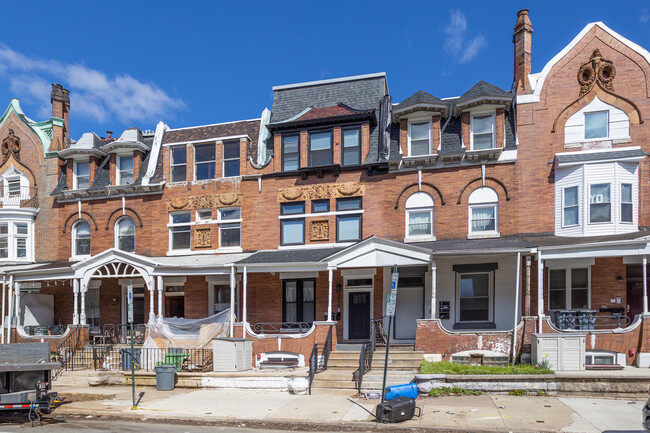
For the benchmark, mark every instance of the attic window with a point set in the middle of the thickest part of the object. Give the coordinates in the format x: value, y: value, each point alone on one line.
x: 596, y: 124
x: 419, y: 138
x: 124, y: 170
x: 483, y: 127
x: 81, y: 174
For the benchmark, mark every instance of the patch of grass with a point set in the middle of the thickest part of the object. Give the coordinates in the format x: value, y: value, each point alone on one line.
x: 446, y: 367
x: 518, y: 392
x: 541, y: 393
x: 454, y: 390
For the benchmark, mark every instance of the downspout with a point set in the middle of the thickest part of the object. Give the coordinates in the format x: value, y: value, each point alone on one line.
x: 517, y: 309
x: 528, y: 263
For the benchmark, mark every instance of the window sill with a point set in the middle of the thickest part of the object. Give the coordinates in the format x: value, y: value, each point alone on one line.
x: 484, y: 235
x: 79, y: 258
x: 227, y: 250
x: 475, y: 325
x: 419, y: 239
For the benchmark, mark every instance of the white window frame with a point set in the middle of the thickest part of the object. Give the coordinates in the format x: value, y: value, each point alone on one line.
x: 621, y: 203
x: 200, y: 220
x: 568, y: 287
x: 356, y: 274
x: 418, y: 121
x: 612, y: 202
x: 172, y: 164
x: 491, y: 300
x: 492, y: 114
x: 221, y: 221
x: 408, y: 210
x: 12, y: 236
x: 116, y: 233
x: 171, y: 225
x: 75, y: 171
x: 118, y: 171
x: 73, y: 249
x: 564, y: 224
x: 584, y: 126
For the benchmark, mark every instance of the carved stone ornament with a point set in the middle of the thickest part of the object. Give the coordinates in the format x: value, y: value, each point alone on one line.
x: 317, y: 192
x: 596, y: 70
x: 11, y: 146
x: 203, y: 237
x: 320, y: 230
x: 204, y: 201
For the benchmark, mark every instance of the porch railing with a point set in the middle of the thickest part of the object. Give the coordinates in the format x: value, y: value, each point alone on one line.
x: 317, y: 365
x: 120, y: 334
x: 18, y: 196
x: 281, y: 327
x: 366, y: 354
x: 44, y: 330
x: 110, y: 358
x: 587, y: 320
x: 65, y: 353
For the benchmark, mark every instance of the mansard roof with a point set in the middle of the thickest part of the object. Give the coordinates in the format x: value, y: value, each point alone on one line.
x: 333, y: 114
x: 216, y: 131
x: 421, y: 100
x: 481, y: 93
x: 131, y: 139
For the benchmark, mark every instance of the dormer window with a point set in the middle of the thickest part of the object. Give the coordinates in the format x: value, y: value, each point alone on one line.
x: 13, y: 188
x: 483, y: 131
x: 596, y: 124
x: 290, y: 152
x: 204, y: 161
x: 81, y: 178
x: 320, y: 148
x: 351, y: 146
x: 419, y: 138
x: 124, y: 169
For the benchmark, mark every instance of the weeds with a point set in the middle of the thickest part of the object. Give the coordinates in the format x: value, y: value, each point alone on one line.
x: 446, y: 367
x: 455, y: 390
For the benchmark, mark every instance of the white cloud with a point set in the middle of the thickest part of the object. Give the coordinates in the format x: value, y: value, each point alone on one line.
x: 457, y: 41
x: 644, y: 16
x: 93, y: 94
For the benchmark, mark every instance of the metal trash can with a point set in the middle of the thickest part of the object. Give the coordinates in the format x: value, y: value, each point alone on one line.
x: 165, y: 377
x: 126, y: 359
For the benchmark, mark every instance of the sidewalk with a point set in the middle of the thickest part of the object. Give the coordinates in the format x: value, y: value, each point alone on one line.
x: 461, y: 413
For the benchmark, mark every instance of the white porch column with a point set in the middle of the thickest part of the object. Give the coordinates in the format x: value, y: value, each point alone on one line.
x: 244, y: 312
x: 434, y: 288
x: 75, y: 305
x: 82, y: 313
x: 9, y: 308
x: 527, y: 296
x: 517, y: 309
x: 645, y: 285
x: 4, y: 289
x: 152, y: 287
x: 329, y: 293
x: 17, y: 307
x: 232, y: 301
x: 540, y: 291
x: 161, y: 289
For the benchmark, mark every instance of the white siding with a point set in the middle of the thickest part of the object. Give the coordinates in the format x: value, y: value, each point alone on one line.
x: 504, y: 288
x: 613, y: 173
x: 619, y: 123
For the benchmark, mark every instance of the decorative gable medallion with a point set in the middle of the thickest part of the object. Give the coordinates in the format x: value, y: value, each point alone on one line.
x: 322, y: 191
x: 203, y: 238
x: 10, y: 147
x: 596, y: 70
x: 320, y: 230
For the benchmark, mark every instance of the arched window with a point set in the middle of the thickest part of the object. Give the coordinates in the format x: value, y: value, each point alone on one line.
x: 484, y: 212
x: 419, y: 217
x: 125, y: 234
x: 81, y: 238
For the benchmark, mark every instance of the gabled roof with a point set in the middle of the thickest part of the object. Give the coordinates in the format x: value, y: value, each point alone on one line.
x: 482, y: 93
x: 421, y: 100
x: 43, y: 130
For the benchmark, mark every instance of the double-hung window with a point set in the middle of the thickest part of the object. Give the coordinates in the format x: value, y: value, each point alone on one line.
x: 483, y: 132
x: 290, y: 152
x: 419, y: 138
x: 125, y: 234
x: 221, y: 295
x: 13, y: 188
x: 124, y: 172
x: 475, y: 297
x: 320, y: 148
x: 231, y: 158
x: 229, y: 227
x: 596, y: 125
x: 81, y: 170
x: 179, y: 230
x: 627, y: 206
x: 570, y: 207
x: 15, y: 240
x: 298, y: 302
x: 348, y: 220
x: 81, y: 239
x: 351, y: 146
x: 483, y: 212
x: 204, y: 166
x: 419, y: 216
x: 292, y: 230
x: 4, y: 240
x: 568, y: 289
x: 178, y: 163
x: 600, y: 203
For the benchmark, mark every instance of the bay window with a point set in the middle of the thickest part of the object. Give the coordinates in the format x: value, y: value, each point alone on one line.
x: 204, y: 161
x: 15, y: 240
x: 570, y: 207
x: 482, y: 132
x: 600, y: 204
x: 627, y: 205
x: 179, y: 231
x: 320, y: 148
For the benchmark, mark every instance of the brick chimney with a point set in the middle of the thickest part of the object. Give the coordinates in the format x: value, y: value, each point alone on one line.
x: 60, y: 99
x: 522, y: 38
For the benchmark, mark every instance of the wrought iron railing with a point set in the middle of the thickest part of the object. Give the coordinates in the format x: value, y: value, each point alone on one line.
x: 120, y: 334
x: 18, y: 196
x: 110, y: 358
x: 317, y: 365
x: 45, y: 330
x: 587, y: 320
x: 66, y: 351
x: 367, y: 354
x: 281, y: 327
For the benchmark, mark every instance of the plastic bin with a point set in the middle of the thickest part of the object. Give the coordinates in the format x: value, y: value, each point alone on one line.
x: 165, y: 377
x: 126, y: 358
x: 409, y: 390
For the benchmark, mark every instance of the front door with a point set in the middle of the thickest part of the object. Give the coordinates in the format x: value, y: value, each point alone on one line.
x: 359, y: 315
x: 634, y: 299
x: 176, y: 306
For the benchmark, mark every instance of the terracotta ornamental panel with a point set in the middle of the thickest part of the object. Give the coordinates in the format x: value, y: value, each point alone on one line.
x: 204, y: 201
x: 320, y: 230
x: 203, y: 238
x: 316, y: 192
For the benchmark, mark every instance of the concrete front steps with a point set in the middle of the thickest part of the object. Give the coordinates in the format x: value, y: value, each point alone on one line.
x: 340, y: 376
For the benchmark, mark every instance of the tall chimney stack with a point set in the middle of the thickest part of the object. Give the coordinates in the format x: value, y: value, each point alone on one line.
x: 60, y: 99
x: 522, y: 38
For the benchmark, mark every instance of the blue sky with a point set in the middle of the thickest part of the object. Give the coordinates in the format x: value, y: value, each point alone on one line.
x: 191, y: 63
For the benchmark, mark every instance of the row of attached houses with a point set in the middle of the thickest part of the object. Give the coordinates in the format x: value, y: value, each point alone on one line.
x: 506, y: 211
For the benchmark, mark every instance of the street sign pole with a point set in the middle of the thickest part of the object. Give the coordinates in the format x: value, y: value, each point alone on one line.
x: 130, y: 318
x: 390, y: 311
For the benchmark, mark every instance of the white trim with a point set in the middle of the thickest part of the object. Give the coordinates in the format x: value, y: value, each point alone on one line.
x: 118, y: 172
x: 219, y: 279
x: 346, y: 303
x: 492, y: 114
x: 426, y: 120
x: 174, y: 281
x: 491, y: 297
x: 330, y: 81
x: 75, y: 169
x: 320, y: 214
x: 568, y: 287
x: 207, y: 140
x: 537, y: 80
x: 359, y: 273
x: 298, y: 275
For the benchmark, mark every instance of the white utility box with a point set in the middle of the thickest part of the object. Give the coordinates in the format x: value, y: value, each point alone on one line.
x: 562, y: 351
x: 232, y: 354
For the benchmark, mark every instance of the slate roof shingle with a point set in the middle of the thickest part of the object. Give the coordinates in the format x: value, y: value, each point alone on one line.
x: 208, y: 132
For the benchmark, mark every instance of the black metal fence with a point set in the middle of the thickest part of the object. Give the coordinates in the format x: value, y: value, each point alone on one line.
x: 316, y: 363
x: 110, y: 358
x: 365, y: 356
x: 120, y: 334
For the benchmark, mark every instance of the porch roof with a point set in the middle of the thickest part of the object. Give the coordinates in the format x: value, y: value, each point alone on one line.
x: 508, y: 244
